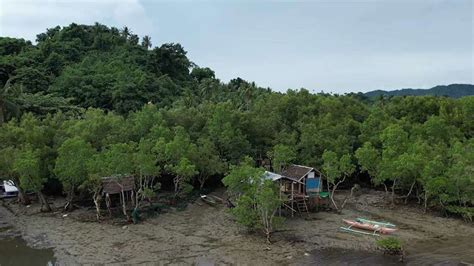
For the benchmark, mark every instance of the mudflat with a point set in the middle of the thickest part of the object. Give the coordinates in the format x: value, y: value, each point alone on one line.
x: 203, y: 234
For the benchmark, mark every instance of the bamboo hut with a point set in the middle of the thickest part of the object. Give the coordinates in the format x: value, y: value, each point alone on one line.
x: 124, y: 186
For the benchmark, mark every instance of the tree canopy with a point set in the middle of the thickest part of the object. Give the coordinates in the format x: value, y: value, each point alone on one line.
x: 88, y: 101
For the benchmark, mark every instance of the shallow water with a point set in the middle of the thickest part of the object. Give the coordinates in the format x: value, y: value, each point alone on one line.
x: 442, y: 251
x: 449, y: 251
x: 14, y: 251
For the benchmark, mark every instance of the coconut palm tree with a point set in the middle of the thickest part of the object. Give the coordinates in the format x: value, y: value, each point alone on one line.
x: 126, y: 32
x: 146, y: 41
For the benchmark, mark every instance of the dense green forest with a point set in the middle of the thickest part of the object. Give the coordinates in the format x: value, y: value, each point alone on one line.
x: 86, y: 102
x: 453, y: 91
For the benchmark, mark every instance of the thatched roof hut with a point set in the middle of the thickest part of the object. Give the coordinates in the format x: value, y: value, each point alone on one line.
x: 115, y: 185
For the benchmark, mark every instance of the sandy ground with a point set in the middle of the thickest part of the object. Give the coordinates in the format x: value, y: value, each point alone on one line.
x: 206, y: 235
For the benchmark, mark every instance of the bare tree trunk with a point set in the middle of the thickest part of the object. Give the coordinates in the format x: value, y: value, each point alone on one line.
x: 386, y: 190
x: 426, y: 202
x: 393, y: 192
x: 202, y: 181
x: 44, y: 202
x: 22, y: 197
x: 332, y: 198
x: 348, y: 197
x: 176, y: 185
x: 124, y: 207
x: 2, y: 114
x: 409, y: 192
x: 333, y: 191
x: 69, y: 199
x: 108, y: 204
x: 267, y: 224
x: 97, y: 199
x: 418, y: 195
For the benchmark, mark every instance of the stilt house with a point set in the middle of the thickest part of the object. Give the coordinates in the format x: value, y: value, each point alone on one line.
x: 298, y: 185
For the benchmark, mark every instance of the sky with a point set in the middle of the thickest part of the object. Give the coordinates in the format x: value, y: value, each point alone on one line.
x: 331, y: 46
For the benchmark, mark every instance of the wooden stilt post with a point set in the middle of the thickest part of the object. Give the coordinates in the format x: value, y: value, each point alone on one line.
x: 279, y: 208
x: 107, y: 202
x: 292, y: 198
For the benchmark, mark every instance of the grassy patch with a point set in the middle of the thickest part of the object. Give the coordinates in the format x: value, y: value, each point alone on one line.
x: 390, y: 245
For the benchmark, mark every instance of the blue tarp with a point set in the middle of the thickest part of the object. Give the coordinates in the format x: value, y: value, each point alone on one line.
x: 312, y: 184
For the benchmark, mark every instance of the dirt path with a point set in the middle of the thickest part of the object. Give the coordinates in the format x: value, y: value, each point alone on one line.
x: 202, y: 234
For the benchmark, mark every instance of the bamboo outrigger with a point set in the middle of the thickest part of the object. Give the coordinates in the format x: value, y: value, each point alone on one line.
x: 348, y: 229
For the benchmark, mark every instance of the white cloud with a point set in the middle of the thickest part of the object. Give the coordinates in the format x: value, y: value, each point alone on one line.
x: 26, y: 18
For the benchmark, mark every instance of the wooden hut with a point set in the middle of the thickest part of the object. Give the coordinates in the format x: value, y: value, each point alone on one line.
x: 124, y: 186
x: 300, y: 187
x: 300, y: 174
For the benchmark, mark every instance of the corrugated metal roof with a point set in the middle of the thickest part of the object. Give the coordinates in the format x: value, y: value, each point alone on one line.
x: 272, y: 176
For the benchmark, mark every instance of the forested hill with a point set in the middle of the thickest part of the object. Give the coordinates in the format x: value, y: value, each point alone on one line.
x: 453, y: 91
x: 104, y: 67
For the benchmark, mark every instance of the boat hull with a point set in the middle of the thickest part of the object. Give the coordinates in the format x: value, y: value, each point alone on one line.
x: 208, y: 200
x: 370, y: 227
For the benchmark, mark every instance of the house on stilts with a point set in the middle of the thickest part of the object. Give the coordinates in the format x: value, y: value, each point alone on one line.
x: 301, y: 188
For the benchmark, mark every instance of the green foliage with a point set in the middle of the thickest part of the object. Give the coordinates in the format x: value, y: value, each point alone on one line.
x: 466, y: 212
x: 337, y: 170
x: 144, y: 159
x: 245, y: 213
x: 71, y: 163
x: 369, y: 159
x: 207, y: 160
x: 27, y: 165
x: 151, y: 113
x: 114, y: 160
x: 335, y: 167
x: 390, y: 244
x: 257, y: 199
x: 282, y: 156
x: 241, y: 178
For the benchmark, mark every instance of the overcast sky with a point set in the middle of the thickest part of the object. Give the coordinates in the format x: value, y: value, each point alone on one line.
x: 335, y: 46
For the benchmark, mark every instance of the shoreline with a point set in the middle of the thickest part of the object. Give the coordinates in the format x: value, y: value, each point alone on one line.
x: 202, y: 234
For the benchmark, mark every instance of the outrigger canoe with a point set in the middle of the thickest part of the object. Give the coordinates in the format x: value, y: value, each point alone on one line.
x: 383, y: 224
x: 370, y: 226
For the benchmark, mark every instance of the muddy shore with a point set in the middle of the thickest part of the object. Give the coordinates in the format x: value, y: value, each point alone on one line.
x: 202, y: 234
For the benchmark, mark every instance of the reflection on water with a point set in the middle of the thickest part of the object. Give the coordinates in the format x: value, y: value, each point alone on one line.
x: 15, y: 252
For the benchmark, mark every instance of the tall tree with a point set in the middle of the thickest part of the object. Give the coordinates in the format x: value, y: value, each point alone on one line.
x: 27, y: 165
x: 257, y: 199
x: 71, y: 165
x: 335, y: 168
x: 146, y: 41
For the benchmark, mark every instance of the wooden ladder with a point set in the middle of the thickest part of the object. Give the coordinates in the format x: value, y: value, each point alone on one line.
x: 302, y: 207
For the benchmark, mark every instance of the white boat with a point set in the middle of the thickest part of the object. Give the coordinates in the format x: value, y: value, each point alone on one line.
x: 8, y: 189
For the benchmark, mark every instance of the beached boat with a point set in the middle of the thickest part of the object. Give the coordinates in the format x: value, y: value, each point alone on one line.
x: 209, y: 200
x: 8, y: 189
x: 383, y: 224
x: 376, y: 228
